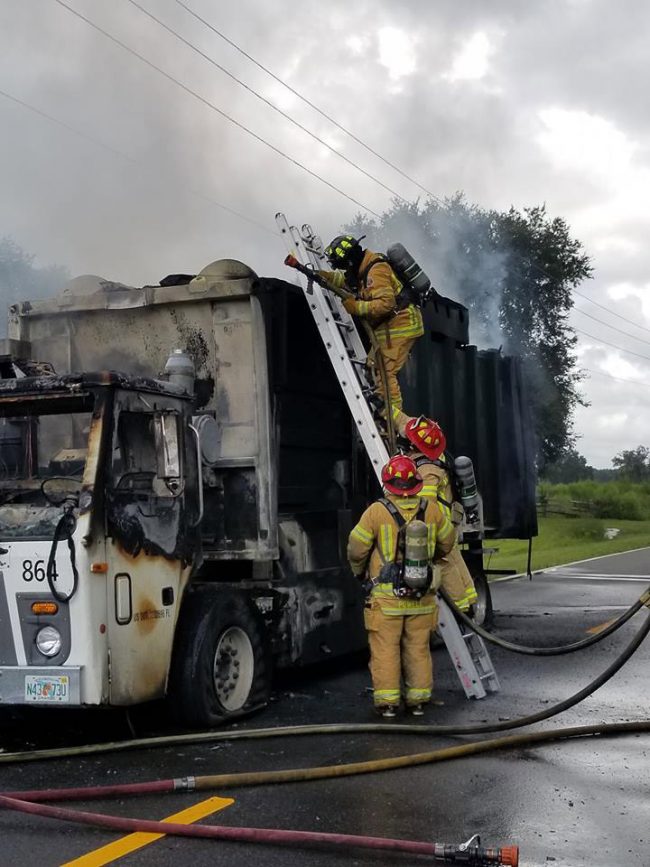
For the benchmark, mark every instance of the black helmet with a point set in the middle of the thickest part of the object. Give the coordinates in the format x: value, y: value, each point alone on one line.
x: 345, y: 252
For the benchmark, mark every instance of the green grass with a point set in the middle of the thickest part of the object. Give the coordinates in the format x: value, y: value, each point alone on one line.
x: 565, y: 539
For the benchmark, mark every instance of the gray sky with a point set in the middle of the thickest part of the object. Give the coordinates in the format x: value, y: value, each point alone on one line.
x: 514, y: 103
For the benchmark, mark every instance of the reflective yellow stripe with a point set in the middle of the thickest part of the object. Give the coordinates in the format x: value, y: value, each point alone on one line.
x: 431, y: 539
x: 429, y: 491
x: 386, y: 696
x: 446, y: 528
x: 362, y: 308
x: 400, y: 607
x: 386, y: 542
x: 423, y: 694
x: 382, y: 338
x: 363, y: 535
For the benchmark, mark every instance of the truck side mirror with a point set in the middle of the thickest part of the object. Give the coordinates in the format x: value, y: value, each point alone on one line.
x: 168, y: 453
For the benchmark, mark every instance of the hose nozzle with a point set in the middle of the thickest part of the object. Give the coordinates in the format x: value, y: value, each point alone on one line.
x: 475, y: 855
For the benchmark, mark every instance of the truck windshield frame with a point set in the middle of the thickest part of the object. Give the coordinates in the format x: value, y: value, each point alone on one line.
x: 45, y: 444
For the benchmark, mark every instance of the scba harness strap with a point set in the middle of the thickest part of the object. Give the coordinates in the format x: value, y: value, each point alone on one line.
x: 406, y: 296
x: 448, y: 466
x: 392, y: 572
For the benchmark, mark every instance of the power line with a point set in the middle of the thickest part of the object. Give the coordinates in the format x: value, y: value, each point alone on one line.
x: 614, y: 345
x: 213, y: 107
x: 263, y: 99
x: 616, y: 378
x: 611, y: 312
x: 133, y: 160
x: 307, y: 101
x: 613, y: 327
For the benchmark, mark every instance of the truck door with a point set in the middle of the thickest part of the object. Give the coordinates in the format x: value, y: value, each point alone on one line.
x: 146, y: 523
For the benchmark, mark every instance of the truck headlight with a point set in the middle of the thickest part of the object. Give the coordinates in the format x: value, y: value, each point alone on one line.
x: 48, y: 641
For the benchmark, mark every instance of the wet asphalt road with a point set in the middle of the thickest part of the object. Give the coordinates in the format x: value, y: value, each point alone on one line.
x: 584, y: 802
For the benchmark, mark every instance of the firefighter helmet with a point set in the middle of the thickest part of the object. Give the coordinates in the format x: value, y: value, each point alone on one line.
x: 344, y: 251
x: 400, y: 476
x: 427, y: 436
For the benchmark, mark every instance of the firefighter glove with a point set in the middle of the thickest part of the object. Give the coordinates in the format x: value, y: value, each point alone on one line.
x: 350, y: 305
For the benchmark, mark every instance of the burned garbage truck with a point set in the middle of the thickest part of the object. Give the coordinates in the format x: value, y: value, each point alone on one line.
x: 178, y: 477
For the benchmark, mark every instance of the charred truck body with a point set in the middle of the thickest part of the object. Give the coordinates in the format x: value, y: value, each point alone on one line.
x: 181, y: 536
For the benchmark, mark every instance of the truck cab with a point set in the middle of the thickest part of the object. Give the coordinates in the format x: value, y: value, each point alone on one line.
x: 99, y: 510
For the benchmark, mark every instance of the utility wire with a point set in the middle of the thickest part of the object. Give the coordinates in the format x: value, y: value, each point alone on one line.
x: 613, y: 327
x: 616, y: 378
x: 611, y: 312
x: 213, y: 107
x: 308, y: 101
x: 133, y: 160
x: 263, y: 99
x: 614, y: 345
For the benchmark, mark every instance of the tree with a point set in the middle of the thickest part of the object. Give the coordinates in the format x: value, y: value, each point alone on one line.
x: 571, y: 466
x: 633, y: 464
x: 20, y: 279
x: 515, y: 272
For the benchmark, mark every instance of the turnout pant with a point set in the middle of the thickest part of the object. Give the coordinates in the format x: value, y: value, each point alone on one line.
x: 399, y: 643
x: 395, y: 357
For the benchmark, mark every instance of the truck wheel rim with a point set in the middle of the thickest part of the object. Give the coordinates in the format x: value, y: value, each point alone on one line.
x: 234, y: 664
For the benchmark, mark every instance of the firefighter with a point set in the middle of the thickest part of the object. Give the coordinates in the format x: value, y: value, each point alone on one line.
x: 400, y: 618
x: 395, y: 321
x: 428, y: 444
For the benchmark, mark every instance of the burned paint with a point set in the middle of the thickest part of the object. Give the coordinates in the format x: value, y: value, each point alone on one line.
x: 148, y: 614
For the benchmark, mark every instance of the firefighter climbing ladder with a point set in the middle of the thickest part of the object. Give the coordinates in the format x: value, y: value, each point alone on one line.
x: 348, y: 356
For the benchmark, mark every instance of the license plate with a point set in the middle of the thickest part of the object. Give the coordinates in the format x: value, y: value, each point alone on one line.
x: 50, y: 688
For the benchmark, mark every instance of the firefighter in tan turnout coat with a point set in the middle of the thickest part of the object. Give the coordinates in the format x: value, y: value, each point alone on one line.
x: 399, y: 619
x: 428, y: 453
x: 396, y: 323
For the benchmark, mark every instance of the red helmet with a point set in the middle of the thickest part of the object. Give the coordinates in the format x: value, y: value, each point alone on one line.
x: 427, y: 436
x: 400, y: 476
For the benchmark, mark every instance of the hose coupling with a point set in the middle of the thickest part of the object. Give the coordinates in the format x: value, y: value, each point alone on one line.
x: 475, y: 855
x: 184, y: 784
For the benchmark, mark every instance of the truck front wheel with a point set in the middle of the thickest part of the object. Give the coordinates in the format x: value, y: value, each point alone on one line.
x: 221, y: 665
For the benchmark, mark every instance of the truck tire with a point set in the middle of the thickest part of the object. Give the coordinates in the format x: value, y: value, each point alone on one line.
x: 482, y: 611
x: 222, y: 665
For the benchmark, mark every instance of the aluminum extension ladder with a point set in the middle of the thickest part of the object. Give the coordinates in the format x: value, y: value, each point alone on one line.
x: 468, y: 653
x: 339, y: 333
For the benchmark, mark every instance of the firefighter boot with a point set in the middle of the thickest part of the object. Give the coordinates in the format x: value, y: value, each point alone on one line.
x: 387, y: 711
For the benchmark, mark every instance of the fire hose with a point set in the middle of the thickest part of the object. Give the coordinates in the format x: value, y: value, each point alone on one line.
x: 558, y: 650
x: 470, y: 853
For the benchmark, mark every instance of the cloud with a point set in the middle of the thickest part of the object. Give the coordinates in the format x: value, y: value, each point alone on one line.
x: 472, y: 60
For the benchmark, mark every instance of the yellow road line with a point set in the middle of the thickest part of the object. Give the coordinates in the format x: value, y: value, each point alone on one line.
x: 111, y: 852
x: 596, y: 629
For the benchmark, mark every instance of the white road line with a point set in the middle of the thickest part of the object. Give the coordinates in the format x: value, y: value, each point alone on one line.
x: 537, y: 572
x: 587, y: 577
x: 600, y: 557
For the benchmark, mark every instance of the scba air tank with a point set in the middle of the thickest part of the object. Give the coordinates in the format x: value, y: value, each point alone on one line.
x: 402, y: 261
x: 416, y: 556
x: 467, y: 482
